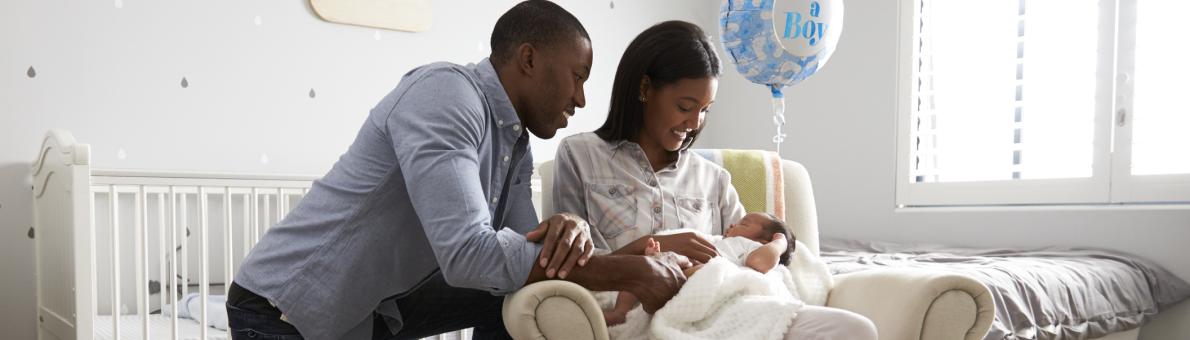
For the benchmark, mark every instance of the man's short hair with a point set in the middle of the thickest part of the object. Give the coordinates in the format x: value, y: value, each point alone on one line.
x: 540, y: 23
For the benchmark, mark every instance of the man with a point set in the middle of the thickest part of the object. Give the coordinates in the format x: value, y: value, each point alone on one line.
x: 427, y: 217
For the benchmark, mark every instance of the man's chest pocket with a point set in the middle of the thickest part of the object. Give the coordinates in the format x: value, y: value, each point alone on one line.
x: 611, y: 208
x: 696, y: 213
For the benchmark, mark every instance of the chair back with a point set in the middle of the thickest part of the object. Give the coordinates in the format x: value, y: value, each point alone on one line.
x: 764, y: 181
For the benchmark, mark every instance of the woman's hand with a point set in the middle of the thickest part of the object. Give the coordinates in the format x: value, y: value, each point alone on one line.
x: 688, y: 244
x: 567, y: 242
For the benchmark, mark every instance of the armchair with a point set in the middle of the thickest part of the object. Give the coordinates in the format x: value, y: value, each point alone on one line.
x: 904, y: 304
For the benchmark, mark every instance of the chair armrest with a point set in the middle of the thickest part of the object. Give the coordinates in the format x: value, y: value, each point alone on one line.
x: 554, y: 310
x: 917, y: 304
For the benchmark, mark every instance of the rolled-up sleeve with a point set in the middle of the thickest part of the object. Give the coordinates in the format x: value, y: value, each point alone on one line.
x: 437, y: 129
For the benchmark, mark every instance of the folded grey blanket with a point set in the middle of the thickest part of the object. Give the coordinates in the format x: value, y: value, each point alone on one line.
x: 1047, y: 294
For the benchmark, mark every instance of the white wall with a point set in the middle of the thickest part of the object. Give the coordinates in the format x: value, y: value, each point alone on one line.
x: 841, y: 125
x: 111, y: 75
x: 110, y: 72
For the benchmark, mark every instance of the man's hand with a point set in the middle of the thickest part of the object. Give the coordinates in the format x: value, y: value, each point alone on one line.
x: 675, y: 258
x: 659, y: 283
x: 567, y: 241
x: 653, y: 280
x: 687, y: 244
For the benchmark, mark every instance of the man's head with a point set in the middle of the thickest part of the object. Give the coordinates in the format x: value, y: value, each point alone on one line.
x: 543, y: 56
x: 761, y: 227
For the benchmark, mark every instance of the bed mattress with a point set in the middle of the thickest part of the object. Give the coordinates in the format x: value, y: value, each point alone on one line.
x: 1047, y: 294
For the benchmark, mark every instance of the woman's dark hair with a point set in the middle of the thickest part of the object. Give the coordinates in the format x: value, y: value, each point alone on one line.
x: 775, y: 225
x: 666, y: 53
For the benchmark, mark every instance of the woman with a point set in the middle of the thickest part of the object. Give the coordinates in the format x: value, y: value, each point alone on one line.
x: 634, y: 177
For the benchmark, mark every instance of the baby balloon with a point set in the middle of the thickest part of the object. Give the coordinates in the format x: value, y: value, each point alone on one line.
x: 779, y: 43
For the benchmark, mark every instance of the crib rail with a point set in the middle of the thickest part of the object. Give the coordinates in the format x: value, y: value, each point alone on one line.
x: 104, y: 237
x: 107, y: 237
x: 168, y: 205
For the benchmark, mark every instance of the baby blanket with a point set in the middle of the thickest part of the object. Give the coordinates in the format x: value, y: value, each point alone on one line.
x: 721, y: 301
x: 809, y: 276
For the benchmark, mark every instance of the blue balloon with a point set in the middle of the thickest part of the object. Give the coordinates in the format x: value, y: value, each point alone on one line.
x: 779, y: 43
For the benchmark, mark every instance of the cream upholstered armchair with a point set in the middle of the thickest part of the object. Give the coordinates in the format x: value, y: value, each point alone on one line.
x: 904, y: 304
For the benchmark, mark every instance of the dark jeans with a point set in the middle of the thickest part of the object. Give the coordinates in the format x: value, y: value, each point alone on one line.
x: 250, y: 316
x: 434, y: 308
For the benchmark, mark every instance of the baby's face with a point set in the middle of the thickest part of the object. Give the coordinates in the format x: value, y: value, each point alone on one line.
x: 750, y: 227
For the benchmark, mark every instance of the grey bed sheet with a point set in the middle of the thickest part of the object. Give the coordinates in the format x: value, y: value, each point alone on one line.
x: 1048, y: 294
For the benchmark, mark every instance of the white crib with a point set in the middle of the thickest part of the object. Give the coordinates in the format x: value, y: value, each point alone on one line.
x: 116, y: 248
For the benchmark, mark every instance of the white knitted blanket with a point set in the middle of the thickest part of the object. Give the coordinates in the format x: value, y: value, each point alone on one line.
x: 809, y: 277
x: 721, y: 301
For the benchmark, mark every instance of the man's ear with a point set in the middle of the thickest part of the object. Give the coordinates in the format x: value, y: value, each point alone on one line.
x: 526, y: 59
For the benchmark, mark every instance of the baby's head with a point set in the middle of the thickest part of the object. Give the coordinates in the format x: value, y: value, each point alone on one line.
x: 760, y: 227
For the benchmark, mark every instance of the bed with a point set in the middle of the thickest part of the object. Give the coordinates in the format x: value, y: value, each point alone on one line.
x: 116, y: 248
x: 1049, y: 294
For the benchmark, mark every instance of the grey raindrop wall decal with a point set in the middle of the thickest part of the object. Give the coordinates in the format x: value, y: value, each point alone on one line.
x: 611, y: 4
x: 185, y: 83
x: 312, y: 94
x: 30, y: 232
x: 31, y: 72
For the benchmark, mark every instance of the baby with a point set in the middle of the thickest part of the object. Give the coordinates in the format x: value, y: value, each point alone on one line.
x: 759, y: 241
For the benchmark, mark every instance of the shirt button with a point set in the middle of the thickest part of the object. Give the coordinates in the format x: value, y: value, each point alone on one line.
x: 495, y: 199
x: 652, y: 182
x: 500, y: 123
x: 656, y: 210
x: 506, y: 158
x: 516, y: 127
x: 611, y: 191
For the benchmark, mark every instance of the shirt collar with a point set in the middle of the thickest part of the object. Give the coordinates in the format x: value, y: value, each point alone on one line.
x: 489, y: 81
x: 615, y: 145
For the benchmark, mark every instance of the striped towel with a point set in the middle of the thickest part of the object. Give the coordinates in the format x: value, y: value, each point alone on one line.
x: 756, y: 176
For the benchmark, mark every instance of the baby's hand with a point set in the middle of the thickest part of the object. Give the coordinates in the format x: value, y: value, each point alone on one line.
x: 781, y: 237
x: 652, y: 247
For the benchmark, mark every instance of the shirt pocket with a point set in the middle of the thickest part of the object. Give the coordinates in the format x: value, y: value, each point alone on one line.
x: 696, y: 213
x: 611, y: 208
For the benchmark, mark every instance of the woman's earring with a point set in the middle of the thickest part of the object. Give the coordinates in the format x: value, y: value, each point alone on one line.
x: 642, y: 99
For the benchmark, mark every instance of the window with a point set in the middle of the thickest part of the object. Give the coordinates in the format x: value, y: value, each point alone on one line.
x: 1043, y: 102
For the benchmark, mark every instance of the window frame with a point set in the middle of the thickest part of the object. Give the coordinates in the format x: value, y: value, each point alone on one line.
x: 1111, y: 181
